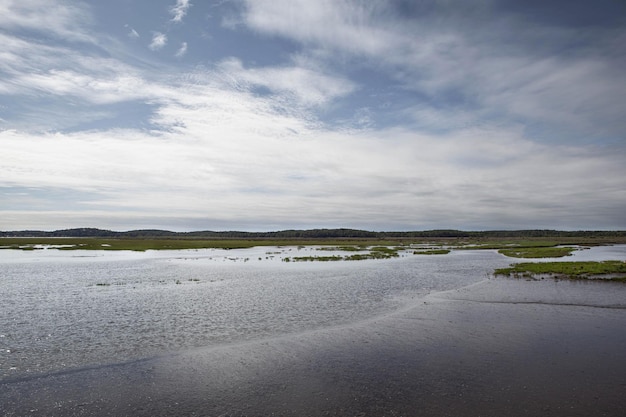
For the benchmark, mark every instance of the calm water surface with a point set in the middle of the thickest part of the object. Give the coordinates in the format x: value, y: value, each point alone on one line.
x: 64, y: 310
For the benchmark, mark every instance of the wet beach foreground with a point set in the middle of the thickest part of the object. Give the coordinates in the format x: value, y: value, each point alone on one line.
x: 499, y: 347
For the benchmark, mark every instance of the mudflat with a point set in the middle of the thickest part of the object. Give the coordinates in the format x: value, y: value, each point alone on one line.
x: 499, y: 347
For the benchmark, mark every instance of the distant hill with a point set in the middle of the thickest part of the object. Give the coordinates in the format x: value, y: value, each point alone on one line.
x: 310, y: 234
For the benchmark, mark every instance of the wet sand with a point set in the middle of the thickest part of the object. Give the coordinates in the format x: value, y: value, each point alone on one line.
x: 500, y: 347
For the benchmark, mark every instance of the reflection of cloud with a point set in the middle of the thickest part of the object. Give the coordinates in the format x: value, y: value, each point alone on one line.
x: 179, y: 10
x: 182, y: 50
x: 158, y: 41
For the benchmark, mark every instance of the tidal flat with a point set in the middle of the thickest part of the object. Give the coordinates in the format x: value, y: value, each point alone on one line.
x: 207, y: 333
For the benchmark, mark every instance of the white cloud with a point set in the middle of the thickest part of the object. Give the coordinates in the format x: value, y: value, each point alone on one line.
x: 239, y: 145
x: 179, y: 10
x: 132, y: 32
x: 158, y: 41
x: 92, y: 89
x: 346, y: 25
x: 273, y: 164
x: 309, y: 87
x: 442, y: 53
x: 35, y: 70
x: 182, y: 50
x: 63, y: 20
x: 577, y: 94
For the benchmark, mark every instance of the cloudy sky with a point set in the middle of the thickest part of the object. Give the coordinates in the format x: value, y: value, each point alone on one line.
x: 274, y: 114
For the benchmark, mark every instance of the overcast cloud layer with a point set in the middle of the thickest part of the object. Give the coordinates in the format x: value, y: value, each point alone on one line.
x: 276, y: 114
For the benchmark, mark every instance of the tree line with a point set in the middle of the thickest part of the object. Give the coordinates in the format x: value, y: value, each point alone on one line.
x: 312, y: 234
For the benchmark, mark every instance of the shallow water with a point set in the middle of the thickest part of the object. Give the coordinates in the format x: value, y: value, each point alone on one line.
x: 67, y: 309
x: 64, y: 310
x: 383, y: 335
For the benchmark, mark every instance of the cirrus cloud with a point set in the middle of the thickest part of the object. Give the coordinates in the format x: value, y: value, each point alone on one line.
x: 158, y: 41
x: 179, y: 10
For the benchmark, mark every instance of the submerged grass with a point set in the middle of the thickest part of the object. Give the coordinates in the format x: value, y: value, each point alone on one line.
x: 314, y: 258
x: 605, y: 271
x: 378, y: 252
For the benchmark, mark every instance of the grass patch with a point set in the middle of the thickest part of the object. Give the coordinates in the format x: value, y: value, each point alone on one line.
x: 343, y: 248
x: 509, y: 244
x: 385, y: 251
x: 605, y: 271
x: 432, y: 252
x: 371, y: 255
x: 314, y: 258
x: 378, y: 252
x: 537, y: 252
x: 358, y: 257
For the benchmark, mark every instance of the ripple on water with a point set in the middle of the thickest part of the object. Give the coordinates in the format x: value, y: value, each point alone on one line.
x: 61, y: 312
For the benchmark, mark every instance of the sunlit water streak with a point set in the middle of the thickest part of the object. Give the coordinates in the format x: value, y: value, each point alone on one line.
x: 69, y: 309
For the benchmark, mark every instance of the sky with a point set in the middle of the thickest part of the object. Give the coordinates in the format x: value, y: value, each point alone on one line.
x: 265, y: 115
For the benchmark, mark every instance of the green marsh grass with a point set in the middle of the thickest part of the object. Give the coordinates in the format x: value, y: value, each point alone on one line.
x: 432, y: 252
x: 605, y: 271
x: 537, y: 252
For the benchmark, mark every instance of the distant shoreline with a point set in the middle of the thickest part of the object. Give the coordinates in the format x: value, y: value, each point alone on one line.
x: 518, y: 244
